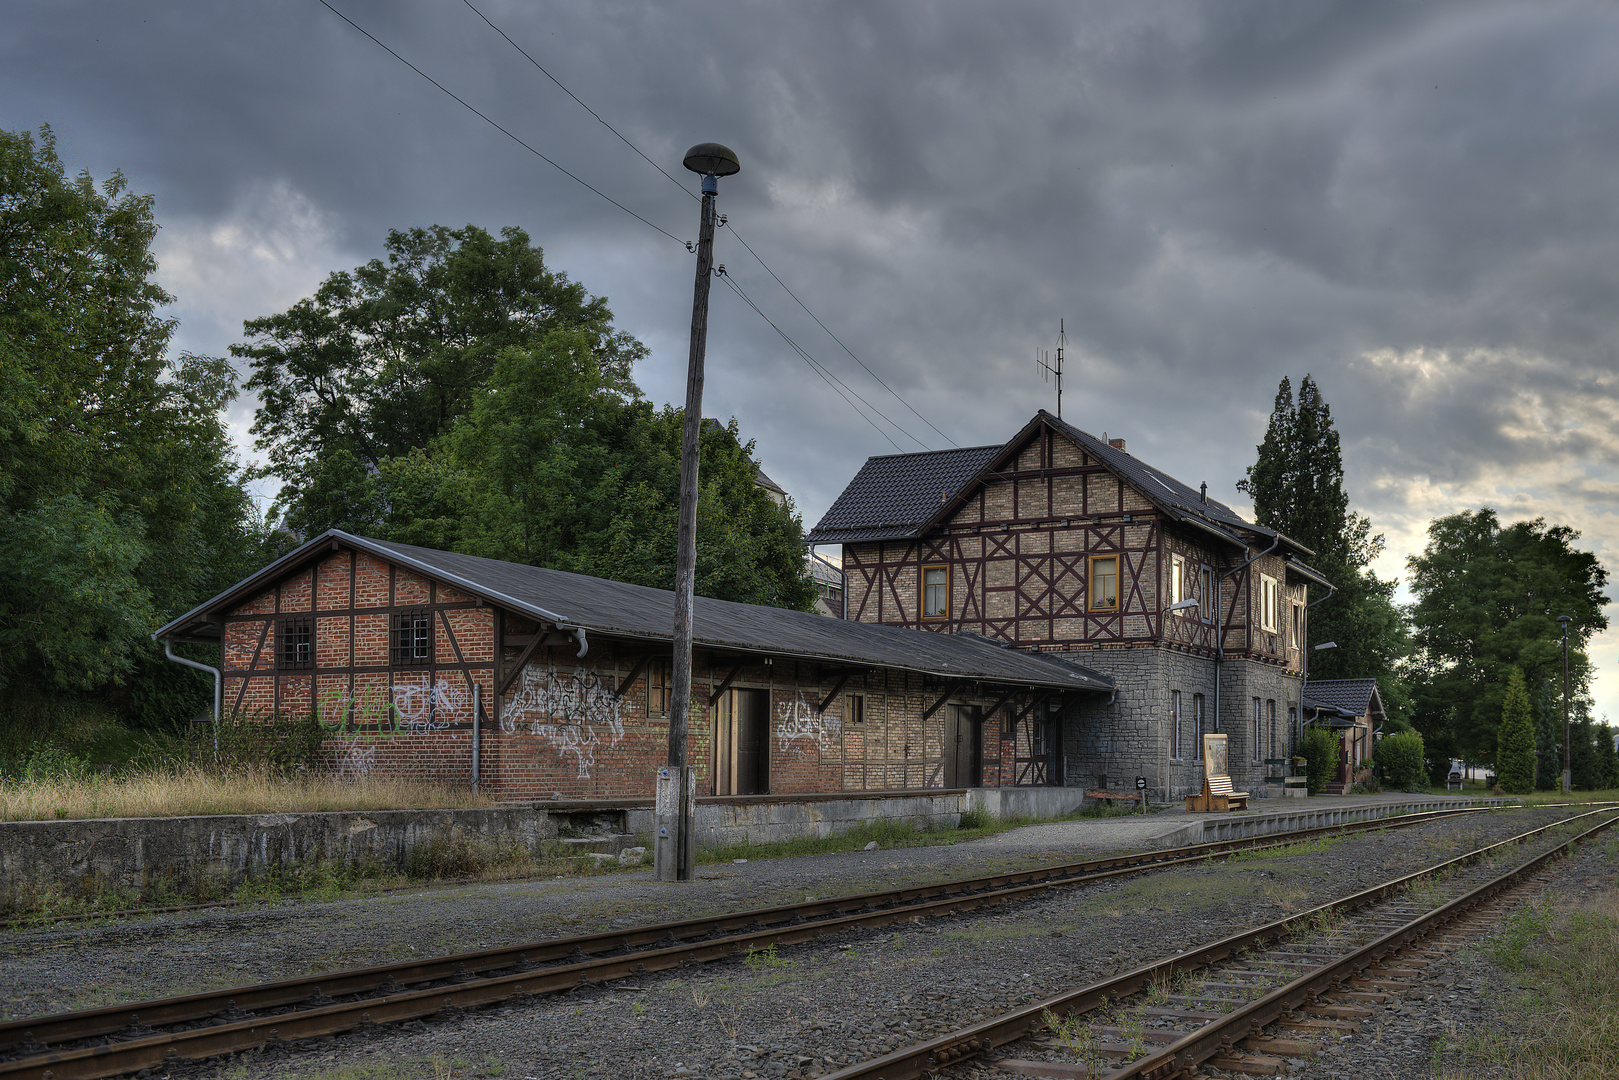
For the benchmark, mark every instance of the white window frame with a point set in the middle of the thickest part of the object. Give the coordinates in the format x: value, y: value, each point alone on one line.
x: 1177, y: 580
x: 1205, y: 590
x: 1267, y: 602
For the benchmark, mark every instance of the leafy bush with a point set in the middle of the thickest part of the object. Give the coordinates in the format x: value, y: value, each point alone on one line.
x: 280, y: 743
x: 1401, y: 756
x: 1321, y: 749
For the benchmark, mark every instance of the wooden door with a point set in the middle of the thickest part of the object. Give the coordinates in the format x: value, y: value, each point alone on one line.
x: 741, y: 743
x: 962, y: 733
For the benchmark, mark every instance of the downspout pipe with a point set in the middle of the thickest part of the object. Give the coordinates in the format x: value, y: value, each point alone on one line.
x: 1219, y: 627
x: 1331, y: 589
x: 219, y: 686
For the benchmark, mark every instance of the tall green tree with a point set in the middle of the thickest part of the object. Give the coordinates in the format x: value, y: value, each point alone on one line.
x: 1585, y: 765
x: 1296, y: 483
x: 462, y: 396
x: 383, y: 360
x: 120, y: 505
x: 1515, y: 756
x: 1607, y: 757
x: 1487, y: 601
x: 1547, y: 709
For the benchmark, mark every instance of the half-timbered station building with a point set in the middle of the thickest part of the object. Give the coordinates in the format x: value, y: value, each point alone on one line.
x: 1060, y: 543
x: 544, y: 684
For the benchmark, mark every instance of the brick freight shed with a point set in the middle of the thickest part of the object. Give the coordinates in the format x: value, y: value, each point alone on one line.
x: 395, y: 649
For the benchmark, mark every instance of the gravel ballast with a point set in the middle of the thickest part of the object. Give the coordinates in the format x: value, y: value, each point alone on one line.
x: 799, y: 1013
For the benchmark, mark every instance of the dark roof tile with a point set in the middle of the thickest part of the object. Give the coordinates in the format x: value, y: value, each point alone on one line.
x: 893, y: 495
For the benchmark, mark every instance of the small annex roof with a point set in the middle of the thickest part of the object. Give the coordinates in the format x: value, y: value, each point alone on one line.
x: 894, y: 495
x: 577, y: 603
x: 1350, y: 697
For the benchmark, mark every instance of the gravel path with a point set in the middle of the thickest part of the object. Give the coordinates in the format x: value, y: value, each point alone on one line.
x: 797, y: 1014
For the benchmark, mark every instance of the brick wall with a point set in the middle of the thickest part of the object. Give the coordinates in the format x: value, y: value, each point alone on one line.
x: 562, y: 729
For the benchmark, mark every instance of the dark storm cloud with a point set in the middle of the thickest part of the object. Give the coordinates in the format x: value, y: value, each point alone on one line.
x: 1413, y: 202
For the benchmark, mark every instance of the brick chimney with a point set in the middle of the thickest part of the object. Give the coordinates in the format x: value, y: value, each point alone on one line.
x: 1117, y: 444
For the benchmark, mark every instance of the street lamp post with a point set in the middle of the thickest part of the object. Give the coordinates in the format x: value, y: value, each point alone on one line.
x: 675, y: 853
x: 1568, y: 775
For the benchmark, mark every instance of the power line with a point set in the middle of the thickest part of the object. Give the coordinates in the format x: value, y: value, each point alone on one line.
x: 839, y: 340
x: 494, y: 124
x: 738, y: 236
x: 841, y: 388
x: 684, y: 189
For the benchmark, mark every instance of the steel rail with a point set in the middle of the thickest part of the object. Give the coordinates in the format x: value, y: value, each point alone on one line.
x: 906, y: 902
x: 228, y: 1028
x: 925, y: 1058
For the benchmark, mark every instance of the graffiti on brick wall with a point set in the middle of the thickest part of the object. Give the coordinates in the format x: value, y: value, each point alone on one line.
x: 573, y: 712
x: 382, y: 712
x: 356, y: 758
x: 799, y: 719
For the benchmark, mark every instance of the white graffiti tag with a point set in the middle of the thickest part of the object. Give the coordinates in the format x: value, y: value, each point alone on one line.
x: 801, y: 720
x: 355, y: 759
x: 422, y: 709
x: 575, y: 712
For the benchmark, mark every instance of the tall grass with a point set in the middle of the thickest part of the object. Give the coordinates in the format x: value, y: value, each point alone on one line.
x: 184, y: 789
x: 1565, y: 961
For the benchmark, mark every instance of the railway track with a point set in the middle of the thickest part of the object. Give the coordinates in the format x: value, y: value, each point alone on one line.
x: 1315, y: 973
x: 120, y: 1039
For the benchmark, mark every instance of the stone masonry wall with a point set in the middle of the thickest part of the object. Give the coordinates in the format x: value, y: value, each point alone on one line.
x: 1133, y: 736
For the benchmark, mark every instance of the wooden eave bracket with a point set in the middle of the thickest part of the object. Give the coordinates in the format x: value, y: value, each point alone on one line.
x: 944, y: 697
x: 1034, y: 703
x: 1002, y: 700
x: 635, y: 673
x: 837, y: 686
x: 530, y: 642
x: 713, y: 699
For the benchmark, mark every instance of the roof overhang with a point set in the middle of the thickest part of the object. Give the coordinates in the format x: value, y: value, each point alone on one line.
x: 205, y: 622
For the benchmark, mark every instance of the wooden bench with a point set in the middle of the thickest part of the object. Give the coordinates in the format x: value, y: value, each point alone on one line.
x: 1113, y: 796
x: 1217, y: 796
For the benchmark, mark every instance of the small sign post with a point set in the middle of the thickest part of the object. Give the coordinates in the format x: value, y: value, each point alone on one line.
x: 1141, y: 786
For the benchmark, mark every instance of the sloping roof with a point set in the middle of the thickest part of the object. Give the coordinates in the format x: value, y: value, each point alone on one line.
x: 824, y: 571
x: 1167, y: 492
x: 1353, y: 697
x: 761, y: 480
x: 894, y: 495
x: 574, y: 602
x: 902, y: 495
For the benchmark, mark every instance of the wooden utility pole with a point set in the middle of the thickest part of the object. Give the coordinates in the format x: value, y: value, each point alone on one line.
x: 675, y: 853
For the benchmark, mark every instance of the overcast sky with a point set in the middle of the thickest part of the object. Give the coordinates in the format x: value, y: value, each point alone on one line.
x: 1414, y: 203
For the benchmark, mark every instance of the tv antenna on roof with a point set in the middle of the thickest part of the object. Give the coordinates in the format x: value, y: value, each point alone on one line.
x: 1042, y: 360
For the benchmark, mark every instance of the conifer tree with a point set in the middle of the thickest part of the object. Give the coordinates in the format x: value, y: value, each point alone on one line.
x: 1548, y: 735
x: 1584, y: 766
x: 1297, y: 484
x: 1515, y: 753
x: 1607, y: 756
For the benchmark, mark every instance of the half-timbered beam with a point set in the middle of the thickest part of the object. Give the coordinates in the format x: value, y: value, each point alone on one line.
x: 839, y: 685
x: 995, y: 708
x: 714, y: 698
x: 1034, y: 703
x: 530, y: 642
x: 944, y: 697
x: 635, y: 673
